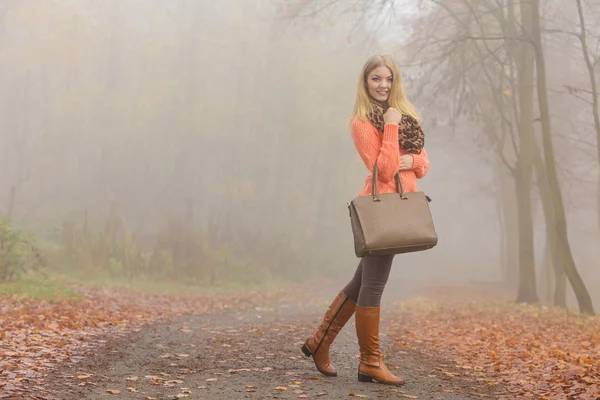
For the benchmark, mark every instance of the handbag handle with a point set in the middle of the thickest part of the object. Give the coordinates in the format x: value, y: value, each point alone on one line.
x: 375, y: 184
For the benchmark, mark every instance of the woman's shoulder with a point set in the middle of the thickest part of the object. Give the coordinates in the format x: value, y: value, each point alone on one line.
x: 358, y: 120
x: 359, y: 124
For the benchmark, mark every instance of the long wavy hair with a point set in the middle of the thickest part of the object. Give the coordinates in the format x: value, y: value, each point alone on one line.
x: 363, y: 105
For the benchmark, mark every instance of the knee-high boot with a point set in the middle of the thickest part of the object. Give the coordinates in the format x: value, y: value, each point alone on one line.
x: 317, y: 345
x: 371, y: 367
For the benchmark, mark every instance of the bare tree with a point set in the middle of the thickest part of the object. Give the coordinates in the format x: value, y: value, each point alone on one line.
x: 468, y: 48
x: 559, y: 215
x: 591, y: 68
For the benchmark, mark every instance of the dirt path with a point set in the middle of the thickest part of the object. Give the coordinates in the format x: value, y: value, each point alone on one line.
x: 251, y: 353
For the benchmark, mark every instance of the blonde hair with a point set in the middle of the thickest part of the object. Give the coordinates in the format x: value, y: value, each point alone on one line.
x: 397, y: 99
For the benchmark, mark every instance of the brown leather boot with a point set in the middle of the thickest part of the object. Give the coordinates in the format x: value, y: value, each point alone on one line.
x: 371, y: 367
x: 317, y: 346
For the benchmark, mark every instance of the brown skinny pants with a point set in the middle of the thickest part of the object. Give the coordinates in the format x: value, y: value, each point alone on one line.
x: 370, y: 278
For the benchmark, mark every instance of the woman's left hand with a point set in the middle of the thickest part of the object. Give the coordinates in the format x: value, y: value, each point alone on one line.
x: 406, y: 162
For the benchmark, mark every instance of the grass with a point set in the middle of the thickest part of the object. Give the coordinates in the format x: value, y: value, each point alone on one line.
x: 38, y: 289
x: 55, y: 285
x: 161, y: 286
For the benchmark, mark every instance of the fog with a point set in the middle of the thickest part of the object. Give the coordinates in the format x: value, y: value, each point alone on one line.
x: 211, y: 139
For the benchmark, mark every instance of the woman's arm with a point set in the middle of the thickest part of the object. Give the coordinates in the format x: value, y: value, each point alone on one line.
x: 370, y: 150
x: 420, y: 164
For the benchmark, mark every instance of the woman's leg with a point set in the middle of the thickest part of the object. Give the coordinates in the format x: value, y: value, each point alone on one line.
x: 375, y: 274
x: 352, y: 289
x: 339, y: 312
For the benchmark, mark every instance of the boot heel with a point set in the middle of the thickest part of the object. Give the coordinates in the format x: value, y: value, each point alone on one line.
x: 306, y: 351
x: 364, y: 378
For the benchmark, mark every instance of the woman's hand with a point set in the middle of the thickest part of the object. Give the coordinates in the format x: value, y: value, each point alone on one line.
x: 392, y: 116
x: 406, y: 162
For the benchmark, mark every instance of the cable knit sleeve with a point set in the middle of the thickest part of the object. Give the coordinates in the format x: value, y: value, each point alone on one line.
x: 371, y: 149
x: 420, y: 164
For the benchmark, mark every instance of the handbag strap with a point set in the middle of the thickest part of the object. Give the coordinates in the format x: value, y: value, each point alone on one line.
x: 375, y: 184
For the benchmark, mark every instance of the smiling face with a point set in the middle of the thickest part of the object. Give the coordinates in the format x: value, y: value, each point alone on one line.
x: 379, y: 83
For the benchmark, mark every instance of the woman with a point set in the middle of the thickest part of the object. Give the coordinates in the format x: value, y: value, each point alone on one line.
x: 385, y: 131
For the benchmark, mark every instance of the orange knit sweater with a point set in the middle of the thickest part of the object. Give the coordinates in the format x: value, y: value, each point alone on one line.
x: 385, y: 149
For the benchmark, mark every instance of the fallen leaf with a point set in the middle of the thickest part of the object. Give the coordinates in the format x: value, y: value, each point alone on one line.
x: 235, y: 371
x: 173, y: 382
x: 113, y: 391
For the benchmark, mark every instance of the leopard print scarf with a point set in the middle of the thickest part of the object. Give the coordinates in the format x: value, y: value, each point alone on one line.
x: 410, y: 135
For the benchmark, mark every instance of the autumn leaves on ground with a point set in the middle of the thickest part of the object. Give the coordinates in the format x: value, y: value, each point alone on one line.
x: 455, y: 341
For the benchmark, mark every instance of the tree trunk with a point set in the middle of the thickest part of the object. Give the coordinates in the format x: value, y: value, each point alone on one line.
x: 504, y: 263
x: 510, y: 231
x: 527, y: 291
x: 553, y: 260
x: 593, y: 86
x: 560, y: 288
x: 557, y: 293
x: 560, y: 220
x: 547, y: 273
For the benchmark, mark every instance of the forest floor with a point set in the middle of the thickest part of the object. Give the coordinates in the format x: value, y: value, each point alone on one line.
x: 447, y: 342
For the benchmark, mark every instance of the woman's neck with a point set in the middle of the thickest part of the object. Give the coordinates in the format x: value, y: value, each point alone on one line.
x: 383, y: 104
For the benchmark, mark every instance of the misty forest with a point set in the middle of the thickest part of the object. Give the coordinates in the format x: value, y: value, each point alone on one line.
x: 174, y: 186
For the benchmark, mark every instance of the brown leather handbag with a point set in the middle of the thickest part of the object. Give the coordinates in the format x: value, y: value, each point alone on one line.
x: 391, y: 223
